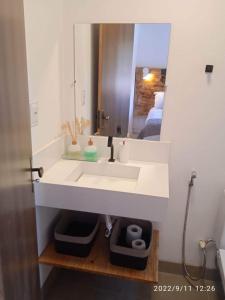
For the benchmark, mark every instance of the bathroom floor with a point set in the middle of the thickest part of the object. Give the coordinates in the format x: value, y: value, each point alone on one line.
x: 71, y: 285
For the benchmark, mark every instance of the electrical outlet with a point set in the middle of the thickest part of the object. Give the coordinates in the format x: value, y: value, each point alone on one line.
x: 34, y: 114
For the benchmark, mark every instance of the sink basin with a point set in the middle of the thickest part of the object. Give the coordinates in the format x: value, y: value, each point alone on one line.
x: 106, y: 176
x: 135, y: 190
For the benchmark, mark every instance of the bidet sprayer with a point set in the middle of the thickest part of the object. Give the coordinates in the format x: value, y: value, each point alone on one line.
x: 193, y: 176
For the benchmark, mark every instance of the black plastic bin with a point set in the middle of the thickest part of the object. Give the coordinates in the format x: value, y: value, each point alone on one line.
x: 125, y: 256
x: 75, y: 233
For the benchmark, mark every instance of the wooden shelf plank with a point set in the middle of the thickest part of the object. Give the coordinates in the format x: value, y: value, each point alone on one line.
x: 98, y: 261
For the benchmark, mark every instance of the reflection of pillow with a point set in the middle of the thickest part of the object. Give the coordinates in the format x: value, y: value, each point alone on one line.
x: 159, y: 99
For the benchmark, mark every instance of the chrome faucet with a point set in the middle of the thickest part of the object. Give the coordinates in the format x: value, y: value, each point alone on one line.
x: 110, y: 144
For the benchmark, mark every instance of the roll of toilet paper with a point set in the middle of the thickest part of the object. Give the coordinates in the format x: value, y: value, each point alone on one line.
x: 138, y: 244
x: 134, y: 232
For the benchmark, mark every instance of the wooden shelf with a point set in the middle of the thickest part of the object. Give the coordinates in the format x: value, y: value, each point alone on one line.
x: 98, y: 261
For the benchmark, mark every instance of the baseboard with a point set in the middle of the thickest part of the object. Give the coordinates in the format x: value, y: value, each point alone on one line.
x: 176, y: 268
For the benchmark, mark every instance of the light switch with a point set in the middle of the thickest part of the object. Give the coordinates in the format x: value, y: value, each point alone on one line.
x: 34, y: 114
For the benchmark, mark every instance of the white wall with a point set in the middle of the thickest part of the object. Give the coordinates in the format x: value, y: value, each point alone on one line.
x: 194, y: 110
x: 43, y: 24
x: 153, y: 45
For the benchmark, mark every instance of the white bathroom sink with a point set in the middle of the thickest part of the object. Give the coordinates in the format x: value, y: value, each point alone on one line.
x: 105, y: 175
x: 134, y: 190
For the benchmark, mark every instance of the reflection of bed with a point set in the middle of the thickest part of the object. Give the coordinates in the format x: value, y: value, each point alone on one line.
x: 152, y: 128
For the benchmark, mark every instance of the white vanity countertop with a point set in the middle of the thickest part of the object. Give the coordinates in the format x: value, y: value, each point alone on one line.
x: 153, y: 179
x: 134, y: 190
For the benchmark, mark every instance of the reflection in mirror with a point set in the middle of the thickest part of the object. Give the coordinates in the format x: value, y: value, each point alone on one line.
x: 119, y: 78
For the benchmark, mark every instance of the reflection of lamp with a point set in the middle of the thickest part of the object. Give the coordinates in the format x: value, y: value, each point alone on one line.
x: 147, y: 75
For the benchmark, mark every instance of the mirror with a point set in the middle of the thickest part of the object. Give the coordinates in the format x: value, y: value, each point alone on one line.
x: 120, y: 78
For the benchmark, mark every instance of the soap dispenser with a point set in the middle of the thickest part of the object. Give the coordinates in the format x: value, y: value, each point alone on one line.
x: 90, y: 151
x: 123, y: 152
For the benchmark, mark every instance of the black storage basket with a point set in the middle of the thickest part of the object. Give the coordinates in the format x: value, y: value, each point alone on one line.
x: 125, y: 256
x: 75, y: 233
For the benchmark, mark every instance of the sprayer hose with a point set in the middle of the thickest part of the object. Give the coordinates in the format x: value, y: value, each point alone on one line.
x: 187, y: 274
